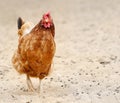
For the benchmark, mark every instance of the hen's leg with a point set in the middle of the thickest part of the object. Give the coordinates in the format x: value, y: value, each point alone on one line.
x: 29, y: 83
x: 39, y: 87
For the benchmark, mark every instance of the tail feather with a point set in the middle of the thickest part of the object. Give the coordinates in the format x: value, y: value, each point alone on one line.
x: 20, y: 22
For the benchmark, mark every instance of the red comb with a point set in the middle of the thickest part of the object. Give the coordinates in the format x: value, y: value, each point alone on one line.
x: 46, y: 15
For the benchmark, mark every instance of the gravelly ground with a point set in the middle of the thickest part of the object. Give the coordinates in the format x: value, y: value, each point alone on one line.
x: 87, y: 61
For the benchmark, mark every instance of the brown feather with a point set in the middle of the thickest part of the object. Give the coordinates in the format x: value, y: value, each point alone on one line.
x: 35, y: 52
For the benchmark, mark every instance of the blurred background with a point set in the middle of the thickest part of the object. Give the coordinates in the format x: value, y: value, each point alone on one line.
x: 87, y: 59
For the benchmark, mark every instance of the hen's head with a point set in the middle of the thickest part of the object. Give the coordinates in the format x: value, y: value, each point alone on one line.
x: 47, y: 21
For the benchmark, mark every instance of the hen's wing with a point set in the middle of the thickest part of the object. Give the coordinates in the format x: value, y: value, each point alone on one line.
x: 36, y: 53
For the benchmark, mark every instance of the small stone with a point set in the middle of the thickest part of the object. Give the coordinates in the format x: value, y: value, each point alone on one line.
x: 90, y: 85
x: 82, y: 92
x: 77, y: 93
x: 51, y: 79
x: 98, y: 94
x: 79, y: 73
x: 61, y: 85
x: 73, y: 62
x: 60, y: 80
x: 98, y: 84
x: 13, y: 96
x: 93, y: 81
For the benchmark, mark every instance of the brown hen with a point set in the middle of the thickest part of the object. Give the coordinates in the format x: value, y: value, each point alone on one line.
x: 35, y: 50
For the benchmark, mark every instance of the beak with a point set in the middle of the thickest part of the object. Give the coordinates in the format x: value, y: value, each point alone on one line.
x: 46, y: 20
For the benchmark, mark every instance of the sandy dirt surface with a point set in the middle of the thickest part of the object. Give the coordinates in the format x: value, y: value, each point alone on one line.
x: 87, y: 60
